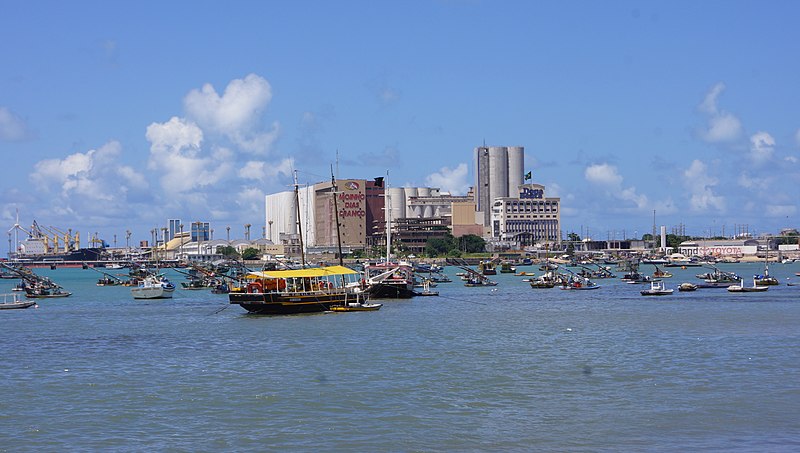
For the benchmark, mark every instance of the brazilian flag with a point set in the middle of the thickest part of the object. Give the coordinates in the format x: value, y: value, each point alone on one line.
x: 528, y: 176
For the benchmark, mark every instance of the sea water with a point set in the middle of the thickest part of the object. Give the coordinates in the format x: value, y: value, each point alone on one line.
x: 506, y: 368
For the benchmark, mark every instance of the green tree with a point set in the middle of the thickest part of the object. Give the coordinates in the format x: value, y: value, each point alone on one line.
x: 573, y: 237
x: 438, y: 247
x: 227, y: 251
x: 472, y: 243
x: 250, y: 253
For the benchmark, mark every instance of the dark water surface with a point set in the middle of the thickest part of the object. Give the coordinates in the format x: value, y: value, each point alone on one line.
x: 507, y: 368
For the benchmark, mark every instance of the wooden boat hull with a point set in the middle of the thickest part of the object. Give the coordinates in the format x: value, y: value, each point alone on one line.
x: 390, y: 291
x: 288, y: 304
x: 356, y: 307
x: 17, y: 305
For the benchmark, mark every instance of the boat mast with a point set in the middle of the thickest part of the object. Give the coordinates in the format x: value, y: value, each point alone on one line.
x: 336, y: 214
x: 388, y: 208
x: 299, y: 223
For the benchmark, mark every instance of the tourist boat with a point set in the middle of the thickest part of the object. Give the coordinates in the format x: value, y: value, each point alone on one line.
x: 310, y: 290
x: 657, y: 288
x: 153, y: 287
x: 740, y: 288
x: 12, y: 301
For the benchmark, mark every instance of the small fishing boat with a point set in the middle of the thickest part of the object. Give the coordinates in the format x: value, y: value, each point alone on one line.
x: 657, y: 288
x: 487, y: 268
x: 740, y: 288
x: 687, y: 287
x: 356, y: 306
x: 12, y: 301
x: 578, y: 283
x: 153, y: 287
x: 658, y: 273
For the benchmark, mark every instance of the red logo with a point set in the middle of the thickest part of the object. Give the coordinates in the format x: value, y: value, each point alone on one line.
x: 352, y: 185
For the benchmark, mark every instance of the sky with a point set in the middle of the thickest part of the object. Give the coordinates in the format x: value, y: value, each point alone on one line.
x: 116, y: 116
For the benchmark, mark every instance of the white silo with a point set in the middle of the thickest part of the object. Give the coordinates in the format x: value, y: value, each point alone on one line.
x: 498, y: 172
x: 398, y: 202
x: 423, y: 191
x: 410, y: 192
x: 516, y: 169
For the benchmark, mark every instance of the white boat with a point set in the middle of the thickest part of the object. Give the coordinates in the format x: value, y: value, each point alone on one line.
x: 13, y: 301
x: 740, y: 288
x: 153, y: 287
x: 657, y: 288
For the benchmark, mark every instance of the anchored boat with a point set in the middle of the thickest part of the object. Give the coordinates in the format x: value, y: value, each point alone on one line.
x: 287, y: 292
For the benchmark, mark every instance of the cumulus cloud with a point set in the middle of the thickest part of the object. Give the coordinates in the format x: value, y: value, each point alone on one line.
x: 752, y: 183
x: 90, y: 182
x: 450, y: 180
x: 12, y: 127
x: 262, y: 171
x: 722, y: 126
x: 603, y: 174
x: 762, y: 147
x: 236, y: 113
x: 175, y: 152
x: 607, y: 177
x: 700, y: 186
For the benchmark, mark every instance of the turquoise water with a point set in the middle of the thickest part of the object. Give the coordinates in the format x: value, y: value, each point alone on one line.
x: 506, y: 368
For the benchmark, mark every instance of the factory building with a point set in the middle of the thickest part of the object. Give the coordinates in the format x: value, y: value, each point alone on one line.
x: 498, y: 173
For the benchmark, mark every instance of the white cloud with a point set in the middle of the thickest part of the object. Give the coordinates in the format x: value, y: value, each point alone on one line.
x: 762, y: 146
x: 603, y: 174
x: 262, y: 171
x: 90, y: 182
x: 606, y: 176
x: 749, y: 182
x: 700, y: 185
x: 175, y: 152
x: 236, y: 113
x: 722, y: 126
x: 449, y: 180
x: 12, y: 127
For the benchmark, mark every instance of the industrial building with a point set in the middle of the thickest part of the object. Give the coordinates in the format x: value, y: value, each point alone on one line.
x: 498, y: 173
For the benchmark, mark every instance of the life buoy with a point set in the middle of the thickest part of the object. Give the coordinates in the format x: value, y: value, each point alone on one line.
x: 254, y: 287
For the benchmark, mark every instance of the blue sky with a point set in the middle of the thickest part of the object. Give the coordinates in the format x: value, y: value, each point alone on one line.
x: 116, y: 116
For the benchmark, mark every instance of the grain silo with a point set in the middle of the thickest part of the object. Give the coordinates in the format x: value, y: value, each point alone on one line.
x: 398, y: 202
x: 498, y: 173
x: 516, y: 169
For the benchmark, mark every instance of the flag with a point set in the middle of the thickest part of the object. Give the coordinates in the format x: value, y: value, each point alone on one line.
x: 528, y: 176
x: 379, y: 181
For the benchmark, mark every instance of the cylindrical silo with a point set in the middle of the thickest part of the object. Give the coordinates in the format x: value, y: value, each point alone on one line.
x: 423, y: 191
x: 398, y: 202
x: 498, y: 173
x: 516, y: 169
x: 427, y: 212
x: 410, y: 192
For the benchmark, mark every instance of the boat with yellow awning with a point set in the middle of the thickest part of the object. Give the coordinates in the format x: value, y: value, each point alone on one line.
x: 308, y: 290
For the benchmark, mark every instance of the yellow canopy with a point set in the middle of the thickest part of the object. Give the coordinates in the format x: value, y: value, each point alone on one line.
x: 309, y: 272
